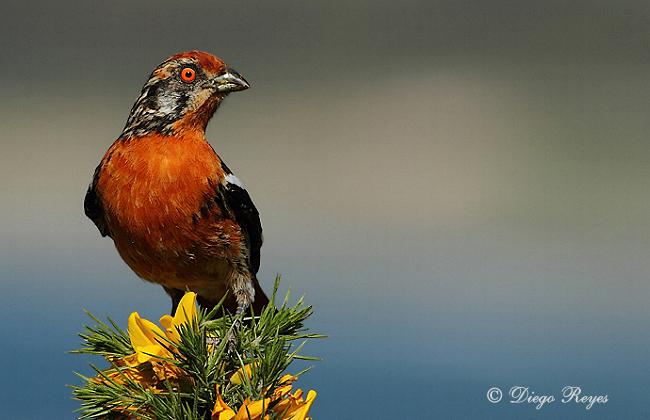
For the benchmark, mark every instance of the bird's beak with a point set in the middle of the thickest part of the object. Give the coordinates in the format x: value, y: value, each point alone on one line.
x: 230, y: 81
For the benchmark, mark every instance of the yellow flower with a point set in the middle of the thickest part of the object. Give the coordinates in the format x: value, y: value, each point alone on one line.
x: 288, y: 406
x: 148, y: 340
x: 165, y: 370
x: 121, y: 376
x: 151, y: 375
x: 293, y: 407
x: 253, y: 410
x: 238, y: 377
x: 221, y: 411
x: 185, y: 314
x: 249, y: 410
x: 284, y: 386
x: 145, y: 338
x: 303, y: 409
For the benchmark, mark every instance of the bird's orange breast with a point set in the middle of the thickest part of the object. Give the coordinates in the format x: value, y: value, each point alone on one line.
x: 152, y: 190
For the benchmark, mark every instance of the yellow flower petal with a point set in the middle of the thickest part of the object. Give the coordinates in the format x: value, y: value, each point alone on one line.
x: 166, y: 321
x: 143, y: 332
x: 252, y: 410
x: 298, y: 394
x: 131, y: 360
x: 186, y: 310
x: 238, y: 377
x: 138, y: 337
x: 224, y: 415
x: 146, y: 353
x: 284, y: 386
x: 185, y: 313
x: 221, y: 411
x: 293, y: 407
x: 145, y: 337
x: 171, y: 332
x: 287, y: 379
x: 302, y: 412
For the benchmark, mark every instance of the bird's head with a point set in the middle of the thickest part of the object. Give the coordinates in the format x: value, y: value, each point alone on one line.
x: 182, y: 93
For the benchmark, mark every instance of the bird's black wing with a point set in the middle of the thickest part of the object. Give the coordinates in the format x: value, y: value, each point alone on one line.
x: 242, y: 208
x: 93, y: 206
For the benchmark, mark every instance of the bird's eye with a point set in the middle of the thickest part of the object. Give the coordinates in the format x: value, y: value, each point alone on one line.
x: 188, y: 75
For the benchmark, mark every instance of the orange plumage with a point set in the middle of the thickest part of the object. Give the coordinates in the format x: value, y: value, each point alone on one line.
x: 176, y: 213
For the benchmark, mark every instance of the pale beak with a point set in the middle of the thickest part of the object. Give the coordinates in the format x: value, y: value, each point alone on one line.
x: 230, y: 81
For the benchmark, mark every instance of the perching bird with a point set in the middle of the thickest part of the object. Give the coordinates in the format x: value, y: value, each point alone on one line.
x: 177, y: 214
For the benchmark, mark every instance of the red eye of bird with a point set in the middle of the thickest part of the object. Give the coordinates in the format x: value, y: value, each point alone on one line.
x: 188, y: 75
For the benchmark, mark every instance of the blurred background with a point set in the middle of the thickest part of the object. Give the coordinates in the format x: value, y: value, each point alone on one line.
x: 460, y: 188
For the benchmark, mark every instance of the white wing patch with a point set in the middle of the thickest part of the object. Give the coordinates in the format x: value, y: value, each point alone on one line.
x: 232, y: 179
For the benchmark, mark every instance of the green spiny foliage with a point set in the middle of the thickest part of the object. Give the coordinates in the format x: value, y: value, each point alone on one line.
x: 211, y: 349
x: 104, y: 339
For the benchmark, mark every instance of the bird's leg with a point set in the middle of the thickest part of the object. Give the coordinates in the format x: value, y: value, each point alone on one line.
x: 242, y: 288
x: 244, y: 292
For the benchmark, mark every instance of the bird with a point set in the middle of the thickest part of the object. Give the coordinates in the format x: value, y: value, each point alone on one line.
x: 178, y: 216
